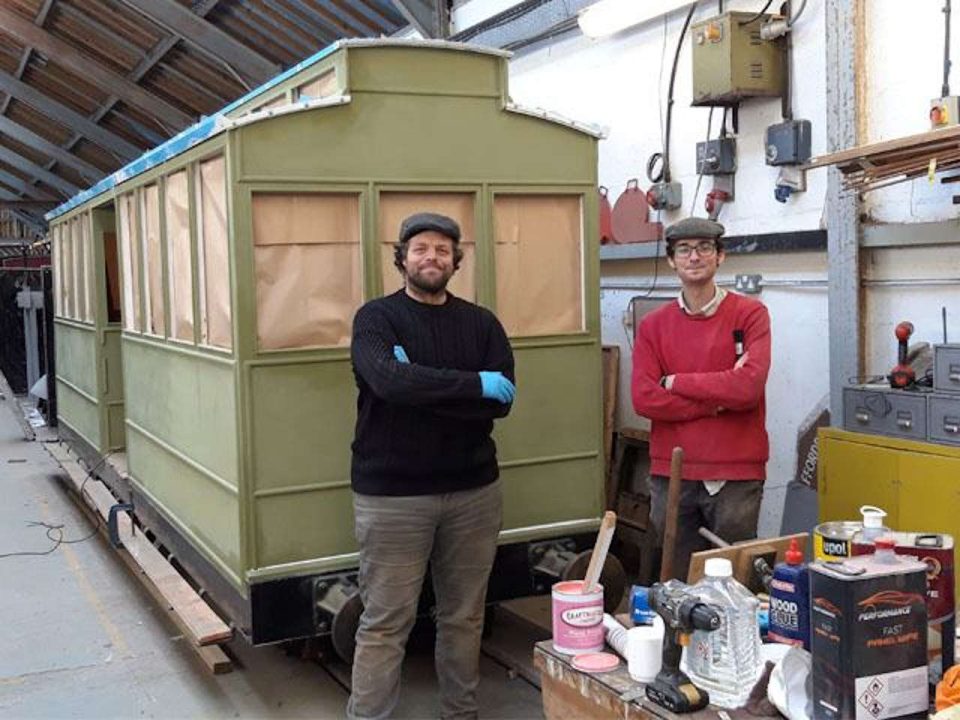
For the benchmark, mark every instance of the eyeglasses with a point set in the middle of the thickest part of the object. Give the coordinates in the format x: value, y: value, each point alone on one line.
x: 704, y: 248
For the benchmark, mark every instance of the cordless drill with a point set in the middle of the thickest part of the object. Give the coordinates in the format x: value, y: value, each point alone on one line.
x: 902, y: 374
x: 682, y: 612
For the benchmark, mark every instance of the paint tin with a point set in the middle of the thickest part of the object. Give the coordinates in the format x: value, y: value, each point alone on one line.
x: 935, y: 550
x: 577, y: 618
x: 834, y: 540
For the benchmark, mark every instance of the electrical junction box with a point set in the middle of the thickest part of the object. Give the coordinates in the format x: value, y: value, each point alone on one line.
x: 717, y: 157
x: 732, y: 62
x: 944, y: 112
x: 665, y: 196
x: 788, y: 143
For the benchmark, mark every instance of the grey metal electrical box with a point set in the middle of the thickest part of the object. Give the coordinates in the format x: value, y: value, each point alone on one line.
x: 788, y: 143
x: 717, y: 157
x: 731, y: 61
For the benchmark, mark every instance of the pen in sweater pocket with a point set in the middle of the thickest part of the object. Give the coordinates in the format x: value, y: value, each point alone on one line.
x: 738, y: 348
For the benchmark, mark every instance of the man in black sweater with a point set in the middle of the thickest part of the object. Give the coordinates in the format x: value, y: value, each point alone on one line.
x: 434, y: 372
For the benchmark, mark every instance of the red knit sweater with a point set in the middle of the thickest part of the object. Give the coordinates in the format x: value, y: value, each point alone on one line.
x: 715, y: 413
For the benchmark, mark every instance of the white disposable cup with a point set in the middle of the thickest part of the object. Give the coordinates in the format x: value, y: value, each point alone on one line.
x: 645, y: 650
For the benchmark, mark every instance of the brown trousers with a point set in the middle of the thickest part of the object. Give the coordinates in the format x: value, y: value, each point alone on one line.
x: 732, y: 514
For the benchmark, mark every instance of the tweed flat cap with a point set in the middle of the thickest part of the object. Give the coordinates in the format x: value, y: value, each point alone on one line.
x: 422, y: 222
x: 693, y: 228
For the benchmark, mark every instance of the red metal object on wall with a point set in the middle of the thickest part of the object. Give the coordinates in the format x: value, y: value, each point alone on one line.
x: 630, y: 219
x: 606, y: 218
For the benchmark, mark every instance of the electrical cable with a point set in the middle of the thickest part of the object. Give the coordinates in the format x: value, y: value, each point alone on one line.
x: 58, y: 528
x: 803, y: 6
x: 696, y: 191
x: 786, y: 100
x: 945, y: 88
x: 757, y: 16
x: 673, y: 78
x: 658, y: 156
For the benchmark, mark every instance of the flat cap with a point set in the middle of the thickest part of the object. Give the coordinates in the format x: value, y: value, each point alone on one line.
x: 425, y: 221
x: 693, y: 228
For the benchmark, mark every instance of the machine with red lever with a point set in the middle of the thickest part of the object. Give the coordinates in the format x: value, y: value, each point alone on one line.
x: 903, y: 374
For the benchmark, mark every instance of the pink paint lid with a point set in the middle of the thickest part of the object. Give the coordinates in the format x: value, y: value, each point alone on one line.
x: 596, y: 662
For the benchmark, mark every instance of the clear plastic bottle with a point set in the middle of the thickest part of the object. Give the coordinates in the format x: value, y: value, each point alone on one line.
x: 726, y: 662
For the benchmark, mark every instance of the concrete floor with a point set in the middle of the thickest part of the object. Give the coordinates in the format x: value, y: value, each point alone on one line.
x: 81, y: 639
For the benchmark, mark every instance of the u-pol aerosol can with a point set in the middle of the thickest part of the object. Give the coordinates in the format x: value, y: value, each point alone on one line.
x: 869, y: 636
x: 935, y: 550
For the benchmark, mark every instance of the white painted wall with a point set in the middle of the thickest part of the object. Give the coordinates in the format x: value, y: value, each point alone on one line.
x: 616, y: 82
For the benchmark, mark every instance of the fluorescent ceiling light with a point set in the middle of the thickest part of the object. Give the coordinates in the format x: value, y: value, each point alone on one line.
x: 610, y: 16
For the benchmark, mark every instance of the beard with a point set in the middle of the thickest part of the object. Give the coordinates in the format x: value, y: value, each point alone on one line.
x: 430, y: 285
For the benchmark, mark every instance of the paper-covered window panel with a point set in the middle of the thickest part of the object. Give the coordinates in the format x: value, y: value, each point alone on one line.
x: 216, y: 327
x: 79, y: 263
x: 130, y: 261
x: 321, y: 86
x: 539, y: 263
x: 89, y: 277
x: 309, y: 272
x: 176, y: 210
x: 153, y: 260
x: 56, y: 247
x: 395, y: 206
x: 68, y: 273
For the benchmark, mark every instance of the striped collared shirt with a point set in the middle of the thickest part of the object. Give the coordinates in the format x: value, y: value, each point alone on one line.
x: 707, y: 310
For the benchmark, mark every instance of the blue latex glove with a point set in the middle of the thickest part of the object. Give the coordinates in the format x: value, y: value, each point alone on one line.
x: 400, y: 354
x: 495, y: 386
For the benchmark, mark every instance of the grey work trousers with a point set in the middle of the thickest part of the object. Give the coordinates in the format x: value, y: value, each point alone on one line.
x: 457, y: 534
x: 732, y: 514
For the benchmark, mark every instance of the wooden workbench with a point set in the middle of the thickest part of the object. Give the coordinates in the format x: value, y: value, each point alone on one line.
x: 569, y: 693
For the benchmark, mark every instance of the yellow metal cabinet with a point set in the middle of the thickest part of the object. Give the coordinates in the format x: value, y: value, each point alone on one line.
x: 917, y: 483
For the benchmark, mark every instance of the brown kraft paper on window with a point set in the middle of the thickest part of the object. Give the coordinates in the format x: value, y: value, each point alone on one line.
x: 395, y: 206
x: 309, y: 275
x: 539, y: 263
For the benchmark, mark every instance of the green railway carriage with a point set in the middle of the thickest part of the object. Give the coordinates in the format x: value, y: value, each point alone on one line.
x: 244, y: 247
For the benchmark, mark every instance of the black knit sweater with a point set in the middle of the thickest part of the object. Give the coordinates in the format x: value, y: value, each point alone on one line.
x: 423, y: 427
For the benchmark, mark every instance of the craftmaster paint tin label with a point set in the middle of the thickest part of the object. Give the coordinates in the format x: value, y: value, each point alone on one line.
x: 834, y: 540
x: 577, y: 618
x: 869, y: 639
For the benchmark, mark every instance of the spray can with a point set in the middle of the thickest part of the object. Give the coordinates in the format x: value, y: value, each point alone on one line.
x: 790, y: 600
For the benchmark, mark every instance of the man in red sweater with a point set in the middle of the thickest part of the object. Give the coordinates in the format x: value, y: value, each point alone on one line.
x: 699, y: 370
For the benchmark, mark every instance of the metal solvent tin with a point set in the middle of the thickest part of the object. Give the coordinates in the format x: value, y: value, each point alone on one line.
x: 834, y: 540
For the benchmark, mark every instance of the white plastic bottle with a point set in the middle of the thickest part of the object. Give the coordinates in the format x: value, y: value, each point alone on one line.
x: 873, y: 526
x: 726, y: 662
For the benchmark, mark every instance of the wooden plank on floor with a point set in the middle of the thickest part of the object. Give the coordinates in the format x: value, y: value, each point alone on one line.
x: 512, y: 640
x: 199, y: 622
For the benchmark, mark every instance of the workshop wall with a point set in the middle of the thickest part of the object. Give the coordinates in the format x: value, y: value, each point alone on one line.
x: 621, y: 82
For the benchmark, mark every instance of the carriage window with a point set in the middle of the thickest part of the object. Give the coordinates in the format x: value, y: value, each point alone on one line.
x: 57, y: 248
x: 79, y: 263
x: 153, y: 260
x: 539, y: 263
x: 395, y: 206
x: 130, y: 259
x: 87, y: 269
x: 322, y: 86
x: 308, y: 268
x: 68, y: 270
x: 214, y: 265
x: 177, y: 213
